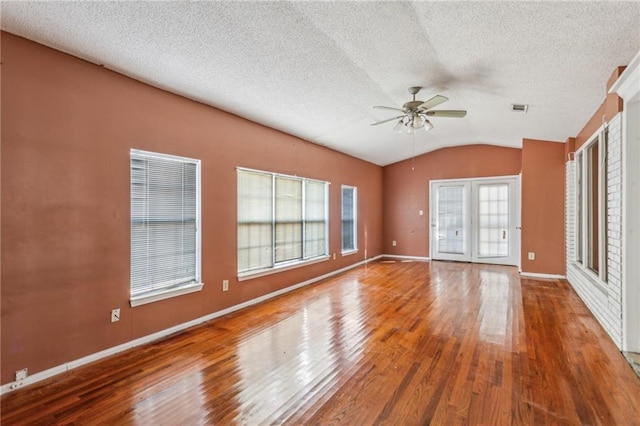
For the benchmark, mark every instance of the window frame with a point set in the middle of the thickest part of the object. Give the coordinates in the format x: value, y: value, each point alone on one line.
x: 279, y: 266
x: 354, y: 225
x: 584, y: 190
x: 177, y: 289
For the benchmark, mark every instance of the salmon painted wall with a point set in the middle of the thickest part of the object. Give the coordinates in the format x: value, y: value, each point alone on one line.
x: 612, y: 105
x: 67, y: 128
x: 543, y: 207
x: 406, y: 189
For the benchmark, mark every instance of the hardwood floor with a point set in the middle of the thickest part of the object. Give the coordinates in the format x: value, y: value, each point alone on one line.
x: 389, y: 343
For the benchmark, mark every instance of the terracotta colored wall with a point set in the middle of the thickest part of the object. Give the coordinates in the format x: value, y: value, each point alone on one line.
x: 612, y: 105
x: 569, y: 148
x: 406, y: 191
x: 67, y: 127
x: 543, y: 206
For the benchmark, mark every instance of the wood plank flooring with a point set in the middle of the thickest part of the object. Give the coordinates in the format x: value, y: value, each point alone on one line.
x: 389, y: 343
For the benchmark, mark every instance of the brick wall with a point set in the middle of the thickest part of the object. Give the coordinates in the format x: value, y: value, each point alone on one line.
x: 604, y: 300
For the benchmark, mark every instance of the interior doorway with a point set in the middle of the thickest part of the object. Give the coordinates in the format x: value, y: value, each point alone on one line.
x: 475, y: 220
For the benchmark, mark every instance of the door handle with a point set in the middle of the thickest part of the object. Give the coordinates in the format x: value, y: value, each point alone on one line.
x: 504, y: 234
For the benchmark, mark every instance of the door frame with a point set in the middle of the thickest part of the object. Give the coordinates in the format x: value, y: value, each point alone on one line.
x: 471, y: 220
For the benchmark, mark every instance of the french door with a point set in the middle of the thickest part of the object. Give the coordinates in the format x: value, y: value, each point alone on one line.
x: 475, y: 220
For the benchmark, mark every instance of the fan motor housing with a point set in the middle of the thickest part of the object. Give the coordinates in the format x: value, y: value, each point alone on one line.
x: 412, y: 105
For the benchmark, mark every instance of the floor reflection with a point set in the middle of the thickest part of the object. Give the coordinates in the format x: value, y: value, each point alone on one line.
x: 186, y: 393
x: 494, y: 310
x: 297, y: 356
x: 479, y: 295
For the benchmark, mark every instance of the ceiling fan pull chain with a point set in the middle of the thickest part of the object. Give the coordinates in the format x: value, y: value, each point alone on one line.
x: 413, y: 151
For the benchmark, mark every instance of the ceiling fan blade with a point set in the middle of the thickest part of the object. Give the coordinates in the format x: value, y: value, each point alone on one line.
x: 384, y: 121
x: 433, y: 102
x: 388, y: 108
x: 457, y: 113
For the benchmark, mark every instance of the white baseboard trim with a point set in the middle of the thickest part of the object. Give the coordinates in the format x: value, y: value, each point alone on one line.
x: 402, y: 257
x: 42, y: 375
x: 543, y: 276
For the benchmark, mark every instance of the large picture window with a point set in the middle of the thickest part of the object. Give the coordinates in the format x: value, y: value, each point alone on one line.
x: 165, y: 215
x: 282, y: 220
x: 349, y: 219
x: 591, y: 211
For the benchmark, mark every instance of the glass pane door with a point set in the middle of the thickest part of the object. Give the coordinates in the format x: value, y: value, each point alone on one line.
x: 450, y: 217
x: 493, y: 220
x: 451, y: 232
x: 475, y: 220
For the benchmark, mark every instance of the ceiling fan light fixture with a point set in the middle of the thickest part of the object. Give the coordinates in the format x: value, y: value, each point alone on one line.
x: 418, y: 122
x: 415, y: 114
x: 427, y: 125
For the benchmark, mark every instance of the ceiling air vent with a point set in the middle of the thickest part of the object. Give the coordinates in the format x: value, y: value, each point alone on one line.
x: 519, y: 107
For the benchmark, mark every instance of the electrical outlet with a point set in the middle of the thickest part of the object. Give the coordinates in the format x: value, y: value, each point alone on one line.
x: 334, y: 256
x: 21, y: 374
x: 421, y: 212
x: 225, y: 285
x: 115, y: 315
x: 532, y: 256
x: 393, y: 243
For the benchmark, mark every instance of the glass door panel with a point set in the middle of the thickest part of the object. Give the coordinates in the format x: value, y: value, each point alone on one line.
x: 451, y: 217
x: 450, y: 221
x: 493, y: 220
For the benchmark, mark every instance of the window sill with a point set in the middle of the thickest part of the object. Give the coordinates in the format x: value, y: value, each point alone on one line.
x: 349, y: 252
x: 281, y: 268
x: 591, y: 277
x: 155, y: 296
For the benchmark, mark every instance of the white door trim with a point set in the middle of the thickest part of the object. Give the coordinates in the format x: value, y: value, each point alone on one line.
x: 628, y: 87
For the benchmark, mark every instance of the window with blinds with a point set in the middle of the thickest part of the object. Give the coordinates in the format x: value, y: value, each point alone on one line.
x: 349, y: 219
x: 165, y: 215
x: 282, y: 220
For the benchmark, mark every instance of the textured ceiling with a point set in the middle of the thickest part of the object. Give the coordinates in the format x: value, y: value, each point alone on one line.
x: 316, y: 69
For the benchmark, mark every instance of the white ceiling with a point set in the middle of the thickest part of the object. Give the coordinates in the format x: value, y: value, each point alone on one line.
x: 316, y: 69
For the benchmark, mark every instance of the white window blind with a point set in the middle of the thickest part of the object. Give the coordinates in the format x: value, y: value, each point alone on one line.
x: 282, y: 220
x: 165, y: 249
x: 255, y: 220
x: 288, y: 224
x: 349, y: 211
x: 315, y: 224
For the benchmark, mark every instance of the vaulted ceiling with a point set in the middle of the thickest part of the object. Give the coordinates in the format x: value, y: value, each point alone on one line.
x: 316, y: 69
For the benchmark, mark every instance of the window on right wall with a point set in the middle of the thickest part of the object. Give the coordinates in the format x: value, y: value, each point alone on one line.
x: 591, y: 211
x: 349, y: 219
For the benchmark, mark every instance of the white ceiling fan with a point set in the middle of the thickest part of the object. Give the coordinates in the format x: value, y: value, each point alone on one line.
x: 415, y: 114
